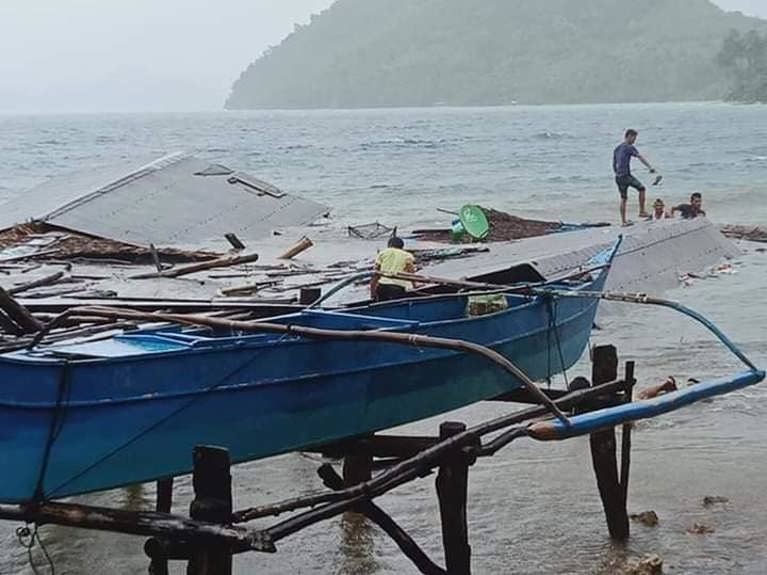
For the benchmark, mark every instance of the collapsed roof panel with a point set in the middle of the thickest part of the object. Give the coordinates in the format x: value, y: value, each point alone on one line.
x: 177, y: 200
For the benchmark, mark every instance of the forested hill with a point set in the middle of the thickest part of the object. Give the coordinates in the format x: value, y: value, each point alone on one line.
x: 370, y: 53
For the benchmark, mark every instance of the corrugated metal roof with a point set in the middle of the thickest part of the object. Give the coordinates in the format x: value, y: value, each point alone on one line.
x: 176, y: 200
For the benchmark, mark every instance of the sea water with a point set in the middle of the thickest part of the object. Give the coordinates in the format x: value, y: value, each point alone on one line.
x: 534, y: 508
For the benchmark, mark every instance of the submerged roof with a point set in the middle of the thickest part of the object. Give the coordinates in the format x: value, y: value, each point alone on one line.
x: 176, y: 200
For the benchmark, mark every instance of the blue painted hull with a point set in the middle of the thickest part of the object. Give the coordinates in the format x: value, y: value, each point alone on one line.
x: 132, y: 409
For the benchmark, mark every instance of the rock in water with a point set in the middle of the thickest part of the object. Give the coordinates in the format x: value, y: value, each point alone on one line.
x: 650, y: 565
x: 649, y: 518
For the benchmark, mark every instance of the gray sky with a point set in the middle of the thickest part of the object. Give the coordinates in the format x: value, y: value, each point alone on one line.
x: 146, y: 55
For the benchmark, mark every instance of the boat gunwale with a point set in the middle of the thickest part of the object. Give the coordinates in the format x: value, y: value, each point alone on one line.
x: 251, y: 341
x: 274, y: 382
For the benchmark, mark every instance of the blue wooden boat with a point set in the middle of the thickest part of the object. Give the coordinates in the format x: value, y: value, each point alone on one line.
x: 93, y: 416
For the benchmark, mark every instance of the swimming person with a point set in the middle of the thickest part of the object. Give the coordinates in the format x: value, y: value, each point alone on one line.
x: 691, y: 210
x: 394, y: 259
x: 659, y: 210
x: 623, y: 177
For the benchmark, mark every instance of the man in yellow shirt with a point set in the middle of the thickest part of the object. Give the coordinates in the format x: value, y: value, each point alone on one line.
x: 394, y: 259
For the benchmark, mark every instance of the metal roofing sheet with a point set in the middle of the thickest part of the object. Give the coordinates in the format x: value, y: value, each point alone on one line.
x: 167, y: 202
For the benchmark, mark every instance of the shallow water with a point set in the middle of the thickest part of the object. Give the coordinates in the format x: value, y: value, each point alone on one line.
x: 534, y: 507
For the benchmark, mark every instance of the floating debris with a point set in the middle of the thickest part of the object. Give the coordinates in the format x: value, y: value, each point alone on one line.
x: 648, y: 518
x: 710, y: 500
x: 750, y: 233
x: 700, y: 529
x: 372, y: 231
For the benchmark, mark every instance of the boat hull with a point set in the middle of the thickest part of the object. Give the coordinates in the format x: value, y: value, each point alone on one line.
x: 105, y: 424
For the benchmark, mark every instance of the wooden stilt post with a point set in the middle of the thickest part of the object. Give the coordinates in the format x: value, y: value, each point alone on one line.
x: 159, y: 563
x: 212, y: 502
x: 603, y: 451
x: 626, y: 435
x: 452, y: 491
x: 358, y: 466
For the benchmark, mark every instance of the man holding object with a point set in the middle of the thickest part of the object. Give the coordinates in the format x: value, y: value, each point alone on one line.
x: 623, y: 177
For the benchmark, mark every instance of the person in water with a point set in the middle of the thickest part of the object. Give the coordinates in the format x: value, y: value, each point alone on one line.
x: 659, y: 210
x: 393, y: 260
x: 691, y: 210
x: 623, y: 176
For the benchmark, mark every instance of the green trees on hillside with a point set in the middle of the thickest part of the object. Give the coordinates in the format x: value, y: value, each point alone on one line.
x: 377, y: 53
x: 744, y: 56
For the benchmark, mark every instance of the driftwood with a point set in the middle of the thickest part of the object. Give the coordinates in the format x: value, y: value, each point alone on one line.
x: 222, y: 262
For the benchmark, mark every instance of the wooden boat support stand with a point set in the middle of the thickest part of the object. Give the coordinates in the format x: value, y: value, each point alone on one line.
x: 213, y: 533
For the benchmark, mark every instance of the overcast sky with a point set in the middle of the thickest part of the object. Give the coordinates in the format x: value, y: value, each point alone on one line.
x: 146, y: 55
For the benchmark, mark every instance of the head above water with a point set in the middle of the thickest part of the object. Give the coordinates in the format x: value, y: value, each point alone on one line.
x: 658, y: 206
x: 395, y: 242
x: 631, y: 136
x: 696, y: 200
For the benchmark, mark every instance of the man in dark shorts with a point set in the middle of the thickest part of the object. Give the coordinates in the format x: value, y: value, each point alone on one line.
x: 691, y: 210
x: 623, y: 177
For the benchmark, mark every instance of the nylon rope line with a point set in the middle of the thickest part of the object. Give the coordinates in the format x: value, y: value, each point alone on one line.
x: 158, y: 423
x: 548, y: 344
x: 57, y: 424
x: 27, y: 538
x: 559, y: 345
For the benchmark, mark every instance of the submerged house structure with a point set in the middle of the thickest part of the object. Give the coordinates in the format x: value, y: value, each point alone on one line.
x: 131, y: 234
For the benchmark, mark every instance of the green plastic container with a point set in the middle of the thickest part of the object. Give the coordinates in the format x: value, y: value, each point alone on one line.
x: 474, y: 221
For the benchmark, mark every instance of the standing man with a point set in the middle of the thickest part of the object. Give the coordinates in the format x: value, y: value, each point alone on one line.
x: 623, y: 177
x: 393, y: 260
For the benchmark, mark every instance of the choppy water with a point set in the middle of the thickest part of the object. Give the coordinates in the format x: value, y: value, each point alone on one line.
x: 534, y: 507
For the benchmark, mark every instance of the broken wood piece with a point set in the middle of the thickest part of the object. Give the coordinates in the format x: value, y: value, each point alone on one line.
x: 246, y: 289
x: 155, y: 257
x: 8, y: 326
x: 235, y: 242
x: 44, y: 281
x: 18, y: 313
x: 222, y: 262
x: 302, y: 245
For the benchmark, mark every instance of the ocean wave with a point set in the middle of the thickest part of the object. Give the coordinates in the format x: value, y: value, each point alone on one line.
x: 755, y: 159
x: 547, y: 135
x: 404, y: 143
x: 294, y: 147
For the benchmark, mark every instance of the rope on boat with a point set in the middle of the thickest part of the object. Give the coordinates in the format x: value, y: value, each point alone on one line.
x: 28, y: 538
